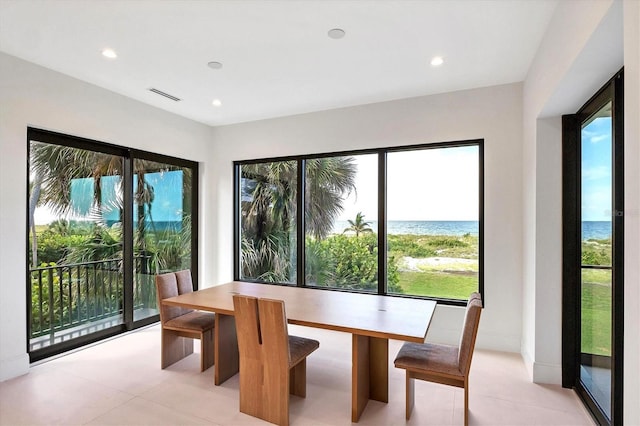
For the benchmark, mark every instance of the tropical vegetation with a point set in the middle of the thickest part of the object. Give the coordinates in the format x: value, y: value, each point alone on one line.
x: 268, y: 208
x: 77, y: 260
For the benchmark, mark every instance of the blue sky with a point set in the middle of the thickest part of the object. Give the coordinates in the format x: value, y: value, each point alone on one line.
x: 596, y: 170
x: 166, y: 206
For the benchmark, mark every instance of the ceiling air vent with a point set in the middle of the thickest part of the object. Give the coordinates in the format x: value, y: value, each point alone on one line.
x: 166, y: 95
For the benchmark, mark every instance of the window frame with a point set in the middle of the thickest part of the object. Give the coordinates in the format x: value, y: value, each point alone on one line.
x: 382, y: 214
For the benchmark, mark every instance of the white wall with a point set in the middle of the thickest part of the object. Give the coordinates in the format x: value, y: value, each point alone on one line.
x: 34, y: 96
x: 491, y: 113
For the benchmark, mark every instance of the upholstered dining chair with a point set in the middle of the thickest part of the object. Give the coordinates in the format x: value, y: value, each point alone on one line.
x: 448, y: 365
x: 179, y: 325
x: 272, y: 363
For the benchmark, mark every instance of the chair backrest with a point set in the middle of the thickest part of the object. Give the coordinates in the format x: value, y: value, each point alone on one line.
x: 275, y: 335
x: 169, y: 285
x: 263, y: 346
x: 185, y: 283
x: 247, y: 327
x: 469, y: 332
x: 262, y: 330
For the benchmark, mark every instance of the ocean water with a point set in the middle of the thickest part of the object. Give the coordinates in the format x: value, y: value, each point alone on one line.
x: 596, y: 230
x: 420, y: 227
x: 590, y: 229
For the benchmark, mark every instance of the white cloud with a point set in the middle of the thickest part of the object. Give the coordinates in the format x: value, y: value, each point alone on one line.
x: 596, y: 173
x: 600, y: 138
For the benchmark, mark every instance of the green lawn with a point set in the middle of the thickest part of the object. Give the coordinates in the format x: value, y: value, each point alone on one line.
x: 596, y: 314
x: 439, y: 284
x: 453, y: 276
x: 453, y: 279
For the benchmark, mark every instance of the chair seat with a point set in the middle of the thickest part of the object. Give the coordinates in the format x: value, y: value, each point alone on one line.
x: 429, y: 356
x: 197, y: 321
x: 300, y: 347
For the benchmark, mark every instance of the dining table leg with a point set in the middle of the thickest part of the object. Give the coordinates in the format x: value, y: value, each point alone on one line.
x: 370, y: 372
x: 226, y: 357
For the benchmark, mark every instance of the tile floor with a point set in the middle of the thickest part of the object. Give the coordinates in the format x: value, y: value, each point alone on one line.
x: 119, y: 382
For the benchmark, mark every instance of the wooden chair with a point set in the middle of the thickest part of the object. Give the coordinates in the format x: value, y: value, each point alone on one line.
x: 448, y: 365
x: 272, y: 363
x: 179, y: 325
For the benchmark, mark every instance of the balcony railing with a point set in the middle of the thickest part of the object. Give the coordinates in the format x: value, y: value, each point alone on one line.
x: 72, y: 299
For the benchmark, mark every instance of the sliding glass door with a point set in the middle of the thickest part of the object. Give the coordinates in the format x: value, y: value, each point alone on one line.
x: 103, y: 221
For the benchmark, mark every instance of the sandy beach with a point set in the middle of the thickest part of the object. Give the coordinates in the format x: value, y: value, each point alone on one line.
x: 412, y: 264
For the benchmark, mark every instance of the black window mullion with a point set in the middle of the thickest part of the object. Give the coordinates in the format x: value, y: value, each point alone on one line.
x: 382, y: 223
x: 237, y: 214
x: 127, y: 241
x: 195, y: 225
x: 481, y: 222
x: 300, y: 227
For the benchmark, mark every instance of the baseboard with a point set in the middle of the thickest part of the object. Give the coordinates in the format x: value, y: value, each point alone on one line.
x: 14, y: 367
x: 528, y: 363
x: 547, y: 373
x: 540, y: 372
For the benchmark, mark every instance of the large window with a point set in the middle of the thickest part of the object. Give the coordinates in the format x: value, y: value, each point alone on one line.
x: 103, y: 221
x: 402, y: 220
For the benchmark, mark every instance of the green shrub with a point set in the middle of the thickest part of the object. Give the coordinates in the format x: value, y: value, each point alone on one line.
x: 421, y: 246
x: 348, y: 262
x: 596, y: 252
x: 410, y: 245
x: 446, y: 241
x: 54, y: 247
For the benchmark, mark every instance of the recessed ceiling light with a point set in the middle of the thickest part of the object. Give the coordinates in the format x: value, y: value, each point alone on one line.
x: 216, y: 102
x: 109, y: 53
x: 336, y: 33
x: 437, y: 61
x: 214, y: 65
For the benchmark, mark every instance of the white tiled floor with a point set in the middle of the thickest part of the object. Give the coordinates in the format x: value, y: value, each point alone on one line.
x: 119, y: 382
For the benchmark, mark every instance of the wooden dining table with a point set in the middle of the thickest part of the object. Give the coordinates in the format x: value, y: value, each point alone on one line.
x: 371, y: 320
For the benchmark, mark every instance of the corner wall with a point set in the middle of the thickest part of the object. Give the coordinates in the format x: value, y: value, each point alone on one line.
x: 586, y: 43
x: 492, y: 113
x: 38, y: 97
x: 565, y: 73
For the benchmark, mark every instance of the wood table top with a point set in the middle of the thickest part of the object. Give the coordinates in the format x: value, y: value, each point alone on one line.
x: 359, y: 313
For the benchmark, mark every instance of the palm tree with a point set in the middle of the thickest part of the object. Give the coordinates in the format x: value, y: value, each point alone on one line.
x: 329, y: 181
x: 268, y: 204
x: 359, y: 226
x: 55, y: 167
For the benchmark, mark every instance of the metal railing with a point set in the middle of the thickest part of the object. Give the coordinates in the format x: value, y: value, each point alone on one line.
x: 72, y: 295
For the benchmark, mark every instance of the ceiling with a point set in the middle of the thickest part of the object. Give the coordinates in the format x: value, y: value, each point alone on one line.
x: 277, y: 57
